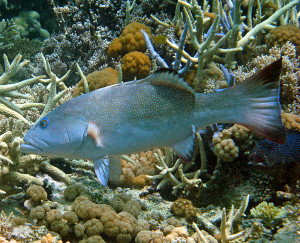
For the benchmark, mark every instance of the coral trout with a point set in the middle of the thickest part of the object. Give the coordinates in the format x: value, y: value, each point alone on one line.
x: 160, y: 110
x: 270, y: 155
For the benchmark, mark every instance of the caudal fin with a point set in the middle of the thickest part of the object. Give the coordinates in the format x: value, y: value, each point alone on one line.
x: 260, y: 98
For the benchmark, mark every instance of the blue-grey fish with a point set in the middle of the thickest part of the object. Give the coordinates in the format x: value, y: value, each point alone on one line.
x: 270, y: 155
x: 160, y: 110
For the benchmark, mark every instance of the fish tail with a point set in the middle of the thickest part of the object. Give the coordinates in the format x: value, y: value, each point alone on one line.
x: 259, y: 103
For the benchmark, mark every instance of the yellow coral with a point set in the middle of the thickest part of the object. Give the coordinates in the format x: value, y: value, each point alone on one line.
x: 36, y: 193
x: 282, y: 34
x: 133, y: 175
x: 225, y: 148
x: 184, y: 208
x: 291, y: 121
x: 131, y: 39
x: 97, y: 80
x: 135, y: 65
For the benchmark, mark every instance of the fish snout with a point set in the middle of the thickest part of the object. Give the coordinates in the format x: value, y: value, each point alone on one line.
x: 31, y: 146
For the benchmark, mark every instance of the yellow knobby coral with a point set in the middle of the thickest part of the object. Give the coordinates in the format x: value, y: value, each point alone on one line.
x: 184, y: 208
x: 97, y: 80
x: 131, y: 39
x: 135, y: 65
x: 282, y: 34
x: 291, y: 121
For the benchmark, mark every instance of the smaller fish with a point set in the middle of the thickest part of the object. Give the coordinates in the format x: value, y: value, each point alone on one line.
x: 160, y: 39
x: 268, y: 154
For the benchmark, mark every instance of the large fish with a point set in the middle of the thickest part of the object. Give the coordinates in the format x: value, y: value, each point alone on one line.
x: 160, y: 110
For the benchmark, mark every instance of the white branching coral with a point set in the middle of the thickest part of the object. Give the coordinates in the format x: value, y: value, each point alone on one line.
x: 173, y: 172
x: 227, y: 222
x: 8, y: 90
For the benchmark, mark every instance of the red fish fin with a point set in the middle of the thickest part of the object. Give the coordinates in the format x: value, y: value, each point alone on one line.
x: 93, y: 131
x: 261, y: 111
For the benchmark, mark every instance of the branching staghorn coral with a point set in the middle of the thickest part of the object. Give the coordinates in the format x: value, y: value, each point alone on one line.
x: 235, y: 31
x: 289, y: 78
x: 238, y: 41
x: 227, y: 222
x: 53, y: 97
x: 9, y: 90
x: 173, y: 172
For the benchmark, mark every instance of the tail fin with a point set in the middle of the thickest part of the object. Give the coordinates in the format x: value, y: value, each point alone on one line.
x: 261, y: 111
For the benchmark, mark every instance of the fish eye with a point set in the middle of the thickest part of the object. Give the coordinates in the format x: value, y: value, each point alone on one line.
x: 44, y: 122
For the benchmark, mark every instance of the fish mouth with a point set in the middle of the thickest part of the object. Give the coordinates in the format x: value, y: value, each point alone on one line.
x: 29, y: 146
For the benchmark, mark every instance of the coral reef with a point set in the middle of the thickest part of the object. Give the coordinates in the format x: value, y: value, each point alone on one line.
x: 289, y: 77
x: 214, y: 46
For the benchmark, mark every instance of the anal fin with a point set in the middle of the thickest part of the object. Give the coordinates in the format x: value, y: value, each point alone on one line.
x: 185, y: 148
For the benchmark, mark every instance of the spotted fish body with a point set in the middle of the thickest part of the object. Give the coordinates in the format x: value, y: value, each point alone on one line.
x: 160, y: 110
x: 268, y: 154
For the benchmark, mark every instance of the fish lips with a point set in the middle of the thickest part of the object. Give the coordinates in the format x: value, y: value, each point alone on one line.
x: 31, y: 146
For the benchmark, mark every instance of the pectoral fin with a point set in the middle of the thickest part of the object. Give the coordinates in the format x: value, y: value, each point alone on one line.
x: 108, y: 168
x: 185, y: 148
x: 94, y: 131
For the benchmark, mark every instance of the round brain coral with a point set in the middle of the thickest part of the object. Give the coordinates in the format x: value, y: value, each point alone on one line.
x: 131, y: 39
x: 282, y: 34
x: 184, y: 208
x: 135, y: 64
x: 97, y: 80
x: 36, y: 193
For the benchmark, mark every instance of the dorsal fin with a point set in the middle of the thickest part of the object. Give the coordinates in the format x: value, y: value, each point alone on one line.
x: 168, y: 77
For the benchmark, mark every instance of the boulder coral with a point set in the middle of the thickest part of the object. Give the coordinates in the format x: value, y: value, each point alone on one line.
x: 135, y: 65
x: 184, y: 208
x: 97, y: 80
x: 130, y: 40
x: 282, y: 34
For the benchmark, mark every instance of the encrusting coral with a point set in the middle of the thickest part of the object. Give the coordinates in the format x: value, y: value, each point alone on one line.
x: 228, y: 143
x: 36, y: 193
x: 136, y: 167
x: 291, y: 121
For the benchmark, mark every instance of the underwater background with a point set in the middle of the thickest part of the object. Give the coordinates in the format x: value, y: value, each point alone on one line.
x: 238, y: 186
